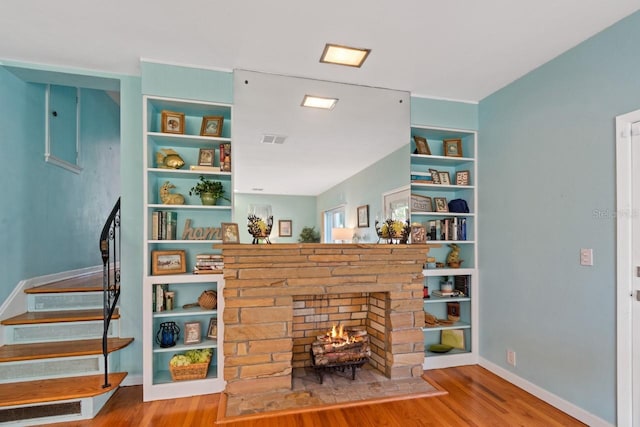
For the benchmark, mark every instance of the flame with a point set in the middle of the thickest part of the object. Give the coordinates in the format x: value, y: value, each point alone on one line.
x: 339, y: 337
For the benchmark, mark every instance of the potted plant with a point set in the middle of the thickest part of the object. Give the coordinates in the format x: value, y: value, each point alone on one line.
x: 309, y: 235
x: 208, y: 190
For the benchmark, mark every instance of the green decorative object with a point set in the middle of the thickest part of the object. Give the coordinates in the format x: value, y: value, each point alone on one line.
x: 309, y: 235
x: 208, y: 190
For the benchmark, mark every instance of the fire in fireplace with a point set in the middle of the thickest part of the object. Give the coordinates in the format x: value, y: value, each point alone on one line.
x: 339, y: 349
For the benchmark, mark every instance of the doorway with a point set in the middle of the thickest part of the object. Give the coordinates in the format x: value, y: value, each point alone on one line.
x: 628, y: 268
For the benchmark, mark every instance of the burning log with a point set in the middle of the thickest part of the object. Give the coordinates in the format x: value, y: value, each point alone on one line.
x: 340, y: 346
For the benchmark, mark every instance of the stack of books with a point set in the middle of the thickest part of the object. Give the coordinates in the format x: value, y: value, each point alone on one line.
x: 164, y: 225
x: 439, y: 293
x: 208, y: 264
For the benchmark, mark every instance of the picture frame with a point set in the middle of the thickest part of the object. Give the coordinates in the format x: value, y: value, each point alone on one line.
x: 462, y: 177
x: 168, y: 262
x: 172, y: 122
x: 421, y: 203
x: 212, y: 126
x: 192, y: 333
x: 230, y: 233
x: 441, y: 204
x: 206, y: 156
x: 418, y: 234
x: 445, y: 178
x: 452, y: 147
x: 285, y: 228
x: 435, y: 176
x: 212, y: 330
x: 422, y: 146
x: 363, y: 216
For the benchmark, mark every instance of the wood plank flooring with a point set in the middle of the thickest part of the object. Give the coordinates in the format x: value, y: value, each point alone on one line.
x: 476, y: 397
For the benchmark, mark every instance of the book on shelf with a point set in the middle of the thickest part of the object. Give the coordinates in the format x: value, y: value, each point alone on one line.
x: 454, y: 228
x: 159, y: 291
x: 204, y: 168
x: 225, y: 157
x: 439, y: 293
x: 164, y: 225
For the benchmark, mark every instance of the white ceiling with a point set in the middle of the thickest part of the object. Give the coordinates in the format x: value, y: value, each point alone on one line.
x: 456, y: 49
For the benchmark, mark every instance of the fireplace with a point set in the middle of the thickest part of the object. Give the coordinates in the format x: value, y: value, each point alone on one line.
x: 279, y: 298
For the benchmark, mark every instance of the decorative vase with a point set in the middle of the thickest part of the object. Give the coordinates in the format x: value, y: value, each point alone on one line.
x: 167, y: 334
x: 208, y: 199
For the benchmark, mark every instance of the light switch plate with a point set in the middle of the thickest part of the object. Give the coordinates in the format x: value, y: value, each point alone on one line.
x: 586, y: 257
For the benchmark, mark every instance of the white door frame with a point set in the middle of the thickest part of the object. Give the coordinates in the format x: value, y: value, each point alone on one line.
x: 624, y: 269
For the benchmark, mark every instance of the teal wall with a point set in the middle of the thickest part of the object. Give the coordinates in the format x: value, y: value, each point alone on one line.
x: 301, y: 210
x: 51, y: 218
x: 444, y: 114
x: 547, y: 189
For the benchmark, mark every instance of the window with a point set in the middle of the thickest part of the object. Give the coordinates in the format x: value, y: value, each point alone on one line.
x: 333, y: 218
x: 396, y: 204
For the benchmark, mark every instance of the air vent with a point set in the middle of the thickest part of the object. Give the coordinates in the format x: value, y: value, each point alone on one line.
x: 273, y: 139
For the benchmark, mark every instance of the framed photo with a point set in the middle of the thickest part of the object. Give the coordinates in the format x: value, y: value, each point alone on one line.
x: 422, y: 146
x: 230, y: 232
x: 172, y: 122
x: 284, y: 228
x: 192, y: 333
x: 363, y: 216
x: 435, y: 176
x: 441, y: 204
x: 445, y: 178
x: 421, y: 203
x: 418, y: 234
x: 206, y: 156
x: 452, y: 147
x: 212, y: 331
x: 211, y: 126
x: 168, y: 262
x: 462, y: 178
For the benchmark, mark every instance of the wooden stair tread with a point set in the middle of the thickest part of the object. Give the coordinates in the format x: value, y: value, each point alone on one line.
x: 40, y: 391
x: 88, y: 283
x: 58, y: 316
x: 18, y: 352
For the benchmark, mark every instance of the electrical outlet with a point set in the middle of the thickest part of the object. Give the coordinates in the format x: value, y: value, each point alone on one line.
x: 511, y: 357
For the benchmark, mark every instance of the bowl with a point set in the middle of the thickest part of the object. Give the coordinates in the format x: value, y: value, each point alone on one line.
x: 446, y: 287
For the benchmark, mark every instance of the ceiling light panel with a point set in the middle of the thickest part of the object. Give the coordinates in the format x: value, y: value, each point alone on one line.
x: 319, y: 102
x: 344, y: 55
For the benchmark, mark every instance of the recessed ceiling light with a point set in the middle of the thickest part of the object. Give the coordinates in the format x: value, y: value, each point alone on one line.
x: 319, y: 102
x: 344, y: 55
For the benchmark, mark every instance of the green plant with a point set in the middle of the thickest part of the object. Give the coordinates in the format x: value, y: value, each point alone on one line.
x: 309, y: 235
x: 208, y: 186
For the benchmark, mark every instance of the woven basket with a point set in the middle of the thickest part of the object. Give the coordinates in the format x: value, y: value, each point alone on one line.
x: 194, y: 371
x: 207, y: 300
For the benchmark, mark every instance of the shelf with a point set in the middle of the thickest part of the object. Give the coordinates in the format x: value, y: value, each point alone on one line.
x: 422, y: 159
x: 444, y: 214
x: 191, y: 140
x: 206, y: 343
x: 186, y: 278
x: 194, y: 241
x: 170, y: 173
x: 162, y: 206
x: 428, y: 353
x: 440, y: 187
x: 435, y: 300
x: 457, y: 325
x: 447, y: 271
x: 179, y: 312
x: 164, y: 377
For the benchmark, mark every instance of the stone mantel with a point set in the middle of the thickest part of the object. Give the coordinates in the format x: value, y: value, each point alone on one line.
x: 261, y: 281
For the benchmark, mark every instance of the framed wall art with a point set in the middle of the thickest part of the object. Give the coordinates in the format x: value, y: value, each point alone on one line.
x: 445, y: 179
x: 422, y: 146
x: 284, y: 228
x: 421, y: 203
x: 212, y: 331
x: 462, y: 178
x: 172, y: 122
x: 211, y: 126
x: 435, y: 176
x: 452, y: 147
x: 418, y: 234
x: 192, y: 332
x: 168, y: 262
x: 206, y: 156
x: 363, y: 216
x: 441, y: 204
x: 230, y: 232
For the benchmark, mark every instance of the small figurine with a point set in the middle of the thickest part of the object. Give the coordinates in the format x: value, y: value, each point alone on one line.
x: 169, y: 198
x: 167, y: 158
x: 453, y: 259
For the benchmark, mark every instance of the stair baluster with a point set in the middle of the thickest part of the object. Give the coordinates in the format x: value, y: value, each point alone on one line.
x: 110, y: 249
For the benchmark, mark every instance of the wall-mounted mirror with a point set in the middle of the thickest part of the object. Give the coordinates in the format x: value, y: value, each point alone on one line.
x: 297, y: 158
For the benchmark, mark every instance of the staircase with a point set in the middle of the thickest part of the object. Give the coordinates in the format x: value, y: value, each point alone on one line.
x: 60, y: 355
x: 52, y: 367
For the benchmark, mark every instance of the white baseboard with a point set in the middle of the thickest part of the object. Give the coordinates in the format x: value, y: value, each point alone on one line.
x: 130, y: 380
x: 553, y: 400
x: 16, y: 302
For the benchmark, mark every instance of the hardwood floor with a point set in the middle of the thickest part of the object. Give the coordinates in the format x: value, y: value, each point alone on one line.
x: 476, y: 397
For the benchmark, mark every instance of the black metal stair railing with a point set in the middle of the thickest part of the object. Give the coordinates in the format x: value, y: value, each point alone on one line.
x: 110, y: 249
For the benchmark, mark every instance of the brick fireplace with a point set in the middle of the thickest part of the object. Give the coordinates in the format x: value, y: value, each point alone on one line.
x: 279, y: 297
